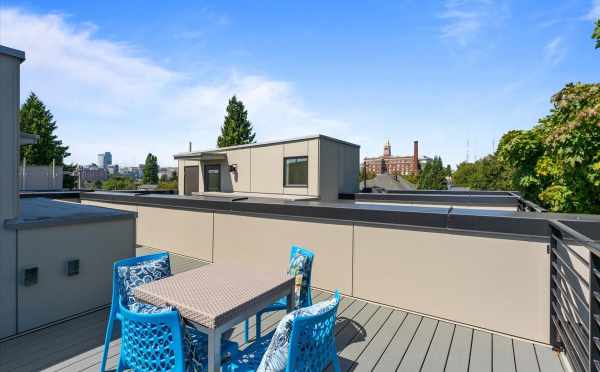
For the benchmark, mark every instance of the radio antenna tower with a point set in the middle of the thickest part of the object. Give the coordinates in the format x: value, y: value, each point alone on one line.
x: 467, y: 150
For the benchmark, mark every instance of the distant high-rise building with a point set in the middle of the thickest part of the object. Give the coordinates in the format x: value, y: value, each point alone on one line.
x: 104, y: 160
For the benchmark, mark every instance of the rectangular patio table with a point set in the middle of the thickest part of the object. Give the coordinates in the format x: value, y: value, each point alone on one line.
x: 216, y: 297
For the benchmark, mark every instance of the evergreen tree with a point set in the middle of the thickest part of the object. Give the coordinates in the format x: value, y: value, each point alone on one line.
x: 150, y: 170
x: 596, y: 34
x: 37, y: 119
x: 236, y: 129
x: 433, y: 176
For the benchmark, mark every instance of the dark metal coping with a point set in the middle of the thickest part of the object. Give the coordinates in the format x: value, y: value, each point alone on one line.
x: 519, y: 224
x: 50, y: 194
x: 484, y: 199
x: 43, y: 212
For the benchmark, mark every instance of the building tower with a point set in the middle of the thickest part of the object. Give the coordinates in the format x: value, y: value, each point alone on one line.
x: 387, y: 149
x: 416, y: 158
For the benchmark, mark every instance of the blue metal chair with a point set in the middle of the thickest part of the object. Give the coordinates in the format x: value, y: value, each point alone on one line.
x: 151, y: 342
x: 311, y: 345
x: 305, y: 293
x: 116, y: 292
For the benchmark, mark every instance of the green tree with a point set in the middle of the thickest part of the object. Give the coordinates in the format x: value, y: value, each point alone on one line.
x: 464, y: 174
x: 118, y: 183
x: 433, y: 176
x: 35, y: 118
x: 488, y: 173
x: 557, y: 162
x: 150, y: 170
x: 167, y: 185
x: 365, y: 173
x: 236, y: 129
x: 596, y: 34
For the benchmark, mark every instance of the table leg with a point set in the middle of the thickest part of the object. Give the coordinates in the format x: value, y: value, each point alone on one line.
x: 291, y: 297
x: 214, y: 351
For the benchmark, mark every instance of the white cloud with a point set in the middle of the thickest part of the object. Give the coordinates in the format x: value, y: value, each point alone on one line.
x: 465, y: 19
x: 594, y: 12
x: 108, y: 96
x: 554, y: 51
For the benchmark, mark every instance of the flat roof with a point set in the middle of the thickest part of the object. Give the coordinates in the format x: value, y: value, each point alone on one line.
x: 19, y: 54
x: 182, y: 155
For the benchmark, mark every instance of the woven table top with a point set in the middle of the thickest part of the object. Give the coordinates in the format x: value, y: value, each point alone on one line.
x: 214, y: 294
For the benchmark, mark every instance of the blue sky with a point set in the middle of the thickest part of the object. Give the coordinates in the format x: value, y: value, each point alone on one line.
x: 136, y: 77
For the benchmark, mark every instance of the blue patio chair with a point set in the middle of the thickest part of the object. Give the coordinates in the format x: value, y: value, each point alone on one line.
x: 151, y: 342
x: 311, y: 345
x: 305, y: 298
x: 116, y: 292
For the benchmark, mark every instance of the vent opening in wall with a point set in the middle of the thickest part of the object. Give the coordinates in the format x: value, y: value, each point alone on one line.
x: 73, y: 267
x: 30, y: 276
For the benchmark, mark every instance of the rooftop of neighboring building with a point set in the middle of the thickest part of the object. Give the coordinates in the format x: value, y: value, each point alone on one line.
x: 259, y: 144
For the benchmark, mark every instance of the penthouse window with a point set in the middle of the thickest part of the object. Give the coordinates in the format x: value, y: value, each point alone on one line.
x: 295, y: 171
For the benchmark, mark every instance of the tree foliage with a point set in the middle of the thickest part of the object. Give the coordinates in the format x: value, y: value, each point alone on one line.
x: 557, y: 162
x: 596, y: 34
x: 168, y: 185
x: 236, y: 129
x: 433, y: 176
x: 118, y: 183
x: 365, y: 174
x: 35, y: 118
x: 150, y: 170
x: 487, y: 173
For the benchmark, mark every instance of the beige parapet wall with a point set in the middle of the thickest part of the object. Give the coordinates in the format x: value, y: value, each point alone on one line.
x: 495, y: 283
x: 96, y: 244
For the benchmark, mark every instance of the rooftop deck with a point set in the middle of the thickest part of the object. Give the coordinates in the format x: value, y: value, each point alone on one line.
x: 369, y: 338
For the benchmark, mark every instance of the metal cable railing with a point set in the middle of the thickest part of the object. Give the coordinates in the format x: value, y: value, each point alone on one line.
x: 575, y: 296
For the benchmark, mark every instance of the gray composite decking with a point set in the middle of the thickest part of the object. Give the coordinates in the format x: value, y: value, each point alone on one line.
x: 369, y: 337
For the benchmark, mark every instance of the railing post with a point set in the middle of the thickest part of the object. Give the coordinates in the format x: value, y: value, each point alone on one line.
x: 554, y: 337
x: 594, y: 321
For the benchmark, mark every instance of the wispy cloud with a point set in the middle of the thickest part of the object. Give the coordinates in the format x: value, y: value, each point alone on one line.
x: 594, y: 12
x: 555, y: 51
x: 464, y: 19
x: 107, y: 96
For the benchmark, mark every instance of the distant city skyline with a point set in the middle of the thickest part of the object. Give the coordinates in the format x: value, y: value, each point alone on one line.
x: 151, y: 78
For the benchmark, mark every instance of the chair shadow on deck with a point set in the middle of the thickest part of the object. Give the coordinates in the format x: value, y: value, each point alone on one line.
x: 348, y: 332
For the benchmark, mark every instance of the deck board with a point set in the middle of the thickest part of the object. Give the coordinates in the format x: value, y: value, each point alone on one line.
x: 481, y: 352
x: 439, y: 348
x: 375, y: 349
x: 355, y: 346
x: 503, y: 354
x: 417, y: 351
x: 368, y: 337
x: 394, y: 353
x: 525, y: 358
x: 460, y: 350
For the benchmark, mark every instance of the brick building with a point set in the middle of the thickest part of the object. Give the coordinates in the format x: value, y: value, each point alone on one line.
x: 404, y: 165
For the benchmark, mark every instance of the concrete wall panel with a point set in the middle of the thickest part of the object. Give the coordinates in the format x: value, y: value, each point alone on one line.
x: 267, y: 169
x: 265, y: 243
x: 239, y: 180
x: 498, y: 284
x: 183, y: 232
x: 56, y: 295
x: 313, y: 167
x: 9, y: 200
x: 328, y: 170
